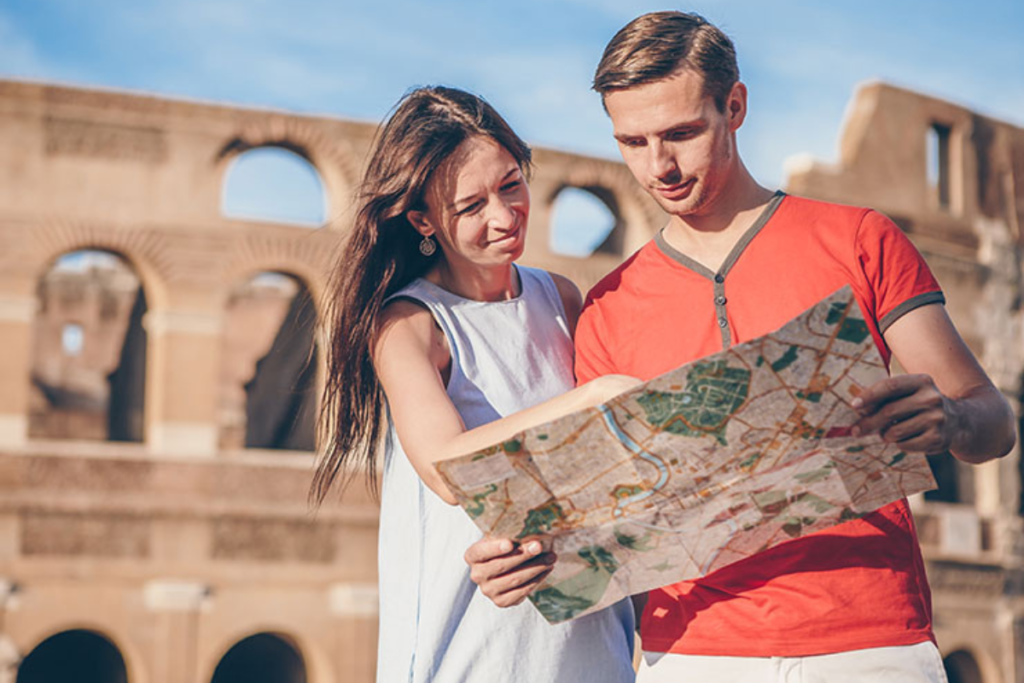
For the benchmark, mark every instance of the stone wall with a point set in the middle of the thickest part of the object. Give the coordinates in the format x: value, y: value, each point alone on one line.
x: 181, y: 546
x: 952, y: 180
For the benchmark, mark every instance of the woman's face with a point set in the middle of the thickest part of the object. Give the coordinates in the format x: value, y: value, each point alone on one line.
x: 477, y: 205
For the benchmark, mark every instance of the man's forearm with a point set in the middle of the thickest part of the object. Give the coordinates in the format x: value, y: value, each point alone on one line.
x: 983, y: 424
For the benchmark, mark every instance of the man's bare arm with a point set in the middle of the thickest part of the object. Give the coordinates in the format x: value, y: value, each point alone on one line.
x: 945, y: 402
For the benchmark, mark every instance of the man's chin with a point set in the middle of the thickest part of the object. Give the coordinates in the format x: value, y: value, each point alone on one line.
x: 687, y: 206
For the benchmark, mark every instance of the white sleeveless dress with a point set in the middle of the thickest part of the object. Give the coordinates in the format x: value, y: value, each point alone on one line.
x: 435, y: 626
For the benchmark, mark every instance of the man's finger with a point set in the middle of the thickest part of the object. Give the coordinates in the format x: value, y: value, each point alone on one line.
x: 886, y: 390
x: 924, y: 433
x: 910, y: 428
x: 923, y: 443
x: 886, y: 416
x: 899, y: 407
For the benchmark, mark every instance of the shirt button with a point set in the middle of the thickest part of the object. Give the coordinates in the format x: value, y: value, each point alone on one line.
x: 719, y: 278
x: 722, y: 322
x: 720, y: 300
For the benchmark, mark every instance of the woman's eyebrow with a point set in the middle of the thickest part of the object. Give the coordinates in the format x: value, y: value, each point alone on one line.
x: 511, y: 172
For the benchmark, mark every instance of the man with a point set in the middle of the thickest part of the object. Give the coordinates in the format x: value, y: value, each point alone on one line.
x: 736, y: 261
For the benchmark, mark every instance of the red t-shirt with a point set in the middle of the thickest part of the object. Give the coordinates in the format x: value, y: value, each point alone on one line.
x: 857, y: 585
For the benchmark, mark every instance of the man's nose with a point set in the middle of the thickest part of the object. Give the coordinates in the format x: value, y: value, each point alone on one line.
x: 661, y: 163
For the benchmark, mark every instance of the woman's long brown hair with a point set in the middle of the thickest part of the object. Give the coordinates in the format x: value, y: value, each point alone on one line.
x: 380, y: 256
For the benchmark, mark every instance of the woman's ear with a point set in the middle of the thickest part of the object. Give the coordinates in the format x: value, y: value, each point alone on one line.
x: 420, y: 223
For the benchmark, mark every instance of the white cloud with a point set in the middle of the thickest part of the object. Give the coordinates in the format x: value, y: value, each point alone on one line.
x: 547, y: 97
x: 533, y: 60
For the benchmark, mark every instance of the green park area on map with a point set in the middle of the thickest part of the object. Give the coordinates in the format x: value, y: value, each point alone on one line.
x: 696, y: 469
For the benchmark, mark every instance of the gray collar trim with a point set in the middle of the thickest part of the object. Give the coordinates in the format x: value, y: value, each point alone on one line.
x: 737, y: 250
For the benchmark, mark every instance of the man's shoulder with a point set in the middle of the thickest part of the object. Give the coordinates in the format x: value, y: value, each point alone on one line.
x: 611, y: 285
x: 805, y: 207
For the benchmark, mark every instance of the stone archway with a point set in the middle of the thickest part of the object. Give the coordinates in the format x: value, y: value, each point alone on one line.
x: 275, y: 183
x: 261, y: 658
x: 962, y: 667
x: 89, y: 351
x: 335, y: 158
x: 636, y: 215
x: 268, y: 394
x: 75, y: 656
x: 590, y: 217
x: 1020, y: 458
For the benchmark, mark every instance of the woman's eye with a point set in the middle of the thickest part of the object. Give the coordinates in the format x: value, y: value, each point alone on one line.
x: 511, y: 186
x: 469, y: 210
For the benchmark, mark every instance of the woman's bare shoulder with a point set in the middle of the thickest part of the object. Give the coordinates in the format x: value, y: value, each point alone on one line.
x: 572, y: 299
x: 412, y: 326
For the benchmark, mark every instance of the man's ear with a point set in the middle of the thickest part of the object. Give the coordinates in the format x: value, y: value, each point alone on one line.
x: 420, y: 223
x: 736, y: 105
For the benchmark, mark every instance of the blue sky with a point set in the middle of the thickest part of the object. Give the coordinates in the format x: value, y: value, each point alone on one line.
x: 533, y: 59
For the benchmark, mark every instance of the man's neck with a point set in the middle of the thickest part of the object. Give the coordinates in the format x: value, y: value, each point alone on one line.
x: 709, y: 237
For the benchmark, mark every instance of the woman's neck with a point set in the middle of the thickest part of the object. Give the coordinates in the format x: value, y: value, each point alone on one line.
x: 498, y: 283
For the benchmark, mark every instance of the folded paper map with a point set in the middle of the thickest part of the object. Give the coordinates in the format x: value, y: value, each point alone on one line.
x: 703, y: 466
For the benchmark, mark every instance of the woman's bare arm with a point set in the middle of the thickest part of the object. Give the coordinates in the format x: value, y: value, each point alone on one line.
x: 411, y: 356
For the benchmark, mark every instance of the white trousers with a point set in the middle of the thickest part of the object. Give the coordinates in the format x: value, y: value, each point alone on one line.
x: 920, y: 663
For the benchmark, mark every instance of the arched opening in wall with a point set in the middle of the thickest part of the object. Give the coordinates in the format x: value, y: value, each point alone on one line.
x: 73, y: 657
x: 955, y: 480
x: 1020, y: 459
x: 937, y: 164
x: 945, y: 472
x: 276, y: 184
x: 262, y: 658
x: 961, y: 667
x: 268, y: 396
x: 89, y: 350
x: 584, y: 221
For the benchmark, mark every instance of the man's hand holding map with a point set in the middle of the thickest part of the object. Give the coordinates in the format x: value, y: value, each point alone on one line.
x: 698, y: 468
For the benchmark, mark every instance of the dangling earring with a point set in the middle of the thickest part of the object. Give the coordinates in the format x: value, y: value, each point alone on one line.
x: 427, y: 246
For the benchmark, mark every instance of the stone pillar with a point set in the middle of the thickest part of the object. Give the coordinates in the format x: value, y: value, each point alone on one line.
x: 17, y: 312
x: 1016, y: 652
x: 10, y: 658
x: 177, y: 606
x: 10, y: 535
x: 998, y: 483
x: 183, y: 381
x: 1009, y: 627
x: 355, y: 607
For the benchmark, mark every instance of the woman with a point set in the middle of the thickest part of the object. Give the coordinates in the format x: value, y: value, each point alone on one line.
x: 430, y: 312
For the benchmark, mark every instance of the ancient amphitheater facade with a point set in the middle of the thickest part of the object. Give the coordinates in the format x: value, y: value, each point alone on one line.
x: 158, y: 380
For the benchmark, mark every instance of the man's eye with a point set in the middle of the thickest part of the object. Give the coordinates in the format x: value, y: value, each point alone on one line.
x: 631, y: 143
x: 680, y: 135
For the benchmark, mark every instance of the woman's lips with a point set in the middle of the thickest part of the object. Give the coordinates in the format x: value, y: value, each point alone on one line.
x: 509, y: 236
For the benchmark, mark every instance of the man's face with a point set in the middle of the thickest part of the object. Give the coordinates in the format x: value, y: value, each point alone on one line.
x: 680, y: 148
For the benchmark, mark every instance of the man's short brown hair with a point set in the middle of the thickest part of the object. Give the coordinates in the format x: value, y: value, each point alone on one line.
x: 654, y: 46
